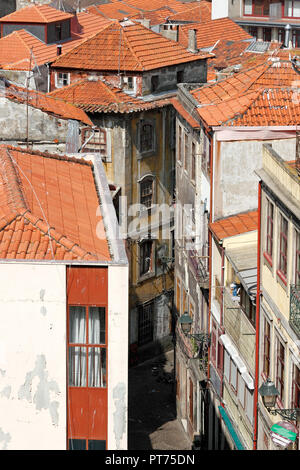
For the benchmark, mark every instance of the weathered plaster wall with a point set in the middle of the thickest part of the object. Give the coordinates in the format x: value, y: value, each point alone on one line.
x: 32, y: 357
x: 47, y: 132
x: 117, y: 373
x: 237, y: 163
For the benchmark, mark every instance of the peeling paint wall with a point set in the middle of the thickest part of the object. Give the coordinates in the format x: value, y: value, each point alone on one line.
x: 32, y: 357
x: 117, y: 373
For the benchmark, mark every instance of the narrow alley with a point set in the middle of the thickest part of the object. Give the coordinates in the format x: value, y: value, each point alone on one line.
x: 152, y: 422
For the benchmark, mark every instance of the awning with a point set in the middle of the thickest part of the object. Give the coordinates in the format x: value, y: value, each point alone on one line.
x: 233, y: 352
x: 231, y: 429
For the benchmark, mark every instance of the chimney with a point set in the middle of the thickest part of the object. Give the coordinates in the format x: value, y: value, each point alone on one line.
x: 192, y: 45
x: 59, y: 49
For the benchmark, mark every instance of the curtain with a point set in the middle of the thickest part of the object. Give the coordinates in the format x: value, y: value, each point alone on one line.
x: 77, y: 354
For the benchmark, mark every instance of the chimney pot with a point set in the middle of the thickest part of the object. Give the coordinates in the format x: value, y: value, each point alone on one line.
x: 59, y: 49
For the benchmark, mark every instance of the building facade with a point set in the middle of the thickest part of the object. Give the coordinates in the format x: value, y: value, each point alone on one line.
x: 279, y: 286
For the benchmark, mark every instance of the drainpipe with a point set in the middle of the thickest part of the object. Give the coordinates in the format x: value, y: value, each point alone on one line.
x: 255, y: 401
x: 210, y: 248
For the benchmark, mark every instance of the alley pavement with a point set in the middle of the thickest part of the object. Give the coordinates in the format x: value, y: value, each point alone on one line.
x: 152, y: 422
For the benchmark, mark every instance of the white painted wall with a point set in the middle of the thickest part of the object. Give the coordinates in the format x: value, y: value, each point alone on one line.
x: 32, y: 357
x: 117, y: 367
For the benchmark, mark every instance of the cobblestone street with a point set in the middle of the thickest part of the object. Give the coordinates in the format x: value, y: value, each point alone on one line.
x: 152, y: 412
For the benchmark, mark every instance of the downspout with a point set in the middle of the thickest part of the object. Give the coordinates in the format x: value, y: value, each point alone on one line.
x: 255, y: 410
x: 210, y: 248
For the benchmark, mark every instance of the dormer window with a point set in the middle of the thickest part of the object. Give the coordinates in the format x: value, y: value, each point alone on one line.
x: 58, y: 32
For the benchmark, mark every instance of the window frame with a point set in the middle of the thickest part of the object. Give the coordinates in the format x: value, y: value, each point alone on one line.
x: 86, y: 345
x: 247, y: 306
x: 58, y: 79
x: 282, y: 265
x: 296, y: 386
x: 186, y: 151
x: 285, y: 8
x: 149, y: 337
x: 267, y: 348
x: 193, y: 161
x: 269, y: 235
x: 103, y: 146
x: 144, y: 180
x: 142, y: 125
x: 151, y: 270
x: 297, y: 258
x: 280, y: 361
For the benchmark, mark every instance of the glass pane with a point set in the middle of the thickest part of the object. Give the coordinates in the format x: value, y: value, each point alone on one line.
x: 77, y: 325
x: 77, y: 444
x: 97, y: 445
x: 96, y: 325
x: 77, y: 366
x: 97, y: 367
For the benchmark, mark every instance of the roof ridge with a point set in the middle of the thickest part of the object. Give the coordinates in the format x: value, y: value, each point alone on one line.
x: 11, y: 178
x: 129, y: 45
x: 54, y: 156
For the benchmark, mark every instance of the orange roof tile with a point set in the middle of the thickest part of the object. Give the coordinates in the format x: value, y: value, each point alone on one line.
x: 144, y: 5
x: 156, y: 17
x: 44, y: 102
x: 114, y: 11
x: 15, y: 48
x: 182, y: 111
x: 128, y: 46
x: 36, y: 14
x: 48, y: 207
x: 95, y: 95
x: 209, y: 32
x: 201, y: 12
x: 235, y: 225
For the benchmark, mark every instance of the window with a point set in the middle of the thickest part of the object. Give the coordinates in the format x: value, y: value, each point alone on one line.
x: 87, y: 346
x: 218, y: 291
x: 283, y: 246
x: 267, y: 348
x: 296, y: 387
x: 253, y: 31
x: 193, y: 163
x: 191, y: 402
x: 146, y: 136
x: 58, y: 32
x: 270, y: 228
x: 248, y: 7
x: 241, y: 390
x: 267, y: 34
x: 154, y: 83
x: 180, y: 75
x: 297, y: 267
x: 186, y: 150
x: 226, y: 365
x: 233, y: 375
x: 86, y: 444
x: 179, y: 143
x: 146, y: 192
x: 94, y: 140
x: 178, y: 295
x: 262, y: 7
x: 249, y: 404
x: 247, y: 306
x: 220, y: 356
x: 62, y: 79
x: 292, y: 8
x: 145, y: 323
x: 280, y: 351
x: 205, y: 163
x: 146, y: 255
x: 129, y: 83
x: 213, y: 350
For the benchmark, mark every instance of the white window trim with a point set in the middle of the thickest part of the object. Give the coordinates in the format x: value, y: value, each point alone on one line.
x: 57, y: 85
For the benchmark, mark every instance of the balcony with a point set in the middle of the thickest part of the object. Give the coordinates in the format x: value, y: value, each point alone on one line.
x: 295, y: 309
x: 200, y: 266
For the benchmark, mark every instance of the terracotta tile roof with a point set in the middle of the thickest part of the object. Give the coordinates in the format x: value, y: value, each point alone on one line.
x: 144, y: 5
x: 48, y: 207
x: 201, y: 12
x: 95, y: 95
x: 44, y: 102
x: 15, y: 48
x: 263, y: 107
x: 127, y: 46
x: 235, y: 225
x: 36, y: 14
x: 114, y: 11
x: 254, y: 97
x: 182, y: 111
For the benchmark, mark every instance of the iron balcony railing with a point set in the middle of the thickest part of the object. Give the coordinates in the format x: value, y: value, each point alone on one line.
x: 295, y: 309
